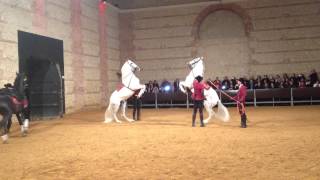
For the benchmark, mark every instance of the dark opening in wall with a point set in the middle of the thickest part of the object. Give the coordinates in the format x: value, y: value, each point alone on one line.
x: 41, y: 59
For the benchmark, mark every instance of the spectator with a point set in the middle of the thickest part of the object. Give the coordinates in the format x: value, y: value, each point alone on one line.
x: 234, y: 82
x: 217, y: 83
x: 246, y: 82
x: 176, y: 85
x: 313, y: 77
x: 156, y: 89
x: 265, y: 84
x: 285, y: 83
x: 291, y: 83
x: 277, y: 81
x: 258, y: 84
x: 251, y: 83
x: 226, y: 83
x: 272, y: 83
x: 294, y: 81
x: 149, y: 87
x: 156, y: 84
x: 265, y: 80
x: 302, y: 83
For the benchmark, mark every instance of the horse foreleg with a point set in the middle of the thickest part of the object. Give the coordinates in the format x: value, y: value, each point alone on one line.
x: 182, y: 87
x: 26, y: 116
x: 124, y: 106
x: 209, y: 110
x: 23, y: 130
x: 142, y: 90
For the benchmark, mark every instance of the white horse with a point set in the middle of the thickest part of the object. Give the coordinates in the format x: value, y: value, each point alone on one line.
x: 130, y: 86
x: 212, y: 98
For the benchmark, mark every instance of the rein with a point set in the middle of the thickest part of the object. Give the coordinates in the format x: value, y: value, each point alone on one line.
x: 130, y: 78
x: 193, y: 68
x: 129, y: 83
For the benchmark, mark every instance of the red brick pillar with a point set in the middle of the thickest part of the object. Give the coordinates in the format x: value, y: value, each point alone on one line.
x: 103, y: 53
x: 77, y: 51
x: 40, y: 20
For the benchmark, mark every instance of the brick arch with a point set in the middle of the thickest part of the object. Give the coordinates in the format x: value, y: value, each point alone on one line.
x: 218, y: 7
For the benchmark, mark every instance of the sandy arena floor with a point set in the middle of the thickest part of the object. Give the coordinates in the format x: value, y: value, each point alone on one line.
x: 279, y: 143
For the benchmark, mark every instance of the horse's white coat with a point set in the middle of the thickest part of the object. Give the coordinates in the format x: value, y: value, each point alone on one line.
x: 131, y: 83
x: 212, y: 98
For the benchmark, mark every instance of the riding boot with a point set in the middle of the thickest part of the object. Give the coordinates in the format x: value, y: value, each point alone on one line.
x: 243, y: 120
x: 138, y: 114
x: 9, y: 124
x: 134, y: 114
x: 194, y: 117
x: 202, y: 124
x: 193, y: 123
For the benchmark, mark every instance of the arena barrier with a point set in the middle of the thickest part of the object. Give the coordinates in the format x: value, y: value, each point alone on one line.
x: 255, y: 97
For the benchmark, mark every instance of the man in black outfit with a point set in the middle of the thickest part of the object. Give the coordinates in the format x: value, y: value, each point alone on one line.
x: 136, y: 107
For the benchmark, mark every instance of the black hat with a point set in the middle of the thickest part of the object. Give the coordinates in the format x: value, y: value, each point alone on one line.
x: 241, y: 80
x: 199, y: 78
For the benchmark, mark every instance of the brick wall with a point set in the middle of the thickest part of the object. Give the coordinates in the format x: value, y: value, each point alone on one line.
x: 77, y: 23
x: 281, y: 36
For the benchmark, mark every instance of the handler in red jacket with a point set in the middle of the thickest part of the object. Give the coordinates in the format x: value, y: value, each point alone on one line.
x: 241, y: 100
x: 198, y: 98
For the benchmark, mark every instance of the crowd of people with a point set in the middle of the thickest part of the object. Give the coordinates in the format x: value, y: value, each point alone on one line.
x: 259, y: 82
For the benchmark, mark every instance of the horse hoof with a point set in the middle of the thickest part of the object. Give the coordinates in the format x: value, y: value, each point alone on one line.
x: 24, y: 134
x: 5, y: 139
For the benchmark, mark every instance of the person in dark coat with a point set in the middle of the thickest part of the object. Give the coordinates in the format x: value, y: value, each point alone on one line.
x: 136, y: 107
x: 241, y: 100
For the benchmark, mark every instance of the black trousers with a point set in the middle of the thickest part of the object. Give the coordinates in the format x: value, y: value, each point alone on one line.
x: 197, y: 104
x: 136, y: 108
x: 242, y: 112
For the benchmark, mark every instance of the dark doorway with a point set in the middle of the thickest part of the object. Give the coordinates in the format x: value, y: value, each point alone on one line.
x: 41, y: 59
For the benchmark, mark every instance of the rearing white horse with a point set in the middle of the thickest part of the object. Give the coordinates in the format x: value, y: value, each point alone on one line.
x: 212, y: 98
x: 130, y: 86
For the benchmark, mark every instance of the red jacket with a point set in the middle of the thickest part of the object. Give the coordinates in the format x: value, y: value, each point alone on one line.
x: 198, y: 90
x: 241, y: 94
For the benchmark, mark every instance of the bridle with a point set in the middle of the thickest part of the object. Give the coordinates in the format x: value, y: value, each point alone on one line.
x: 132, y: 67
x: 193, y: 64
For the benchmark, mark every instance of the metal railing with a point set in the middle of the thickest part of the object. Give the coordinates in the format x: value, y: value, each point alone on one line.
x: 255, y: 97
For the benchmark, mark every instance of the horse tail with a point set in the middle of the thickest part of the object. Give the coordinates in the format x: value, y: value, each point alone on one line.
x: 222, y: 113
x: 108, y: 115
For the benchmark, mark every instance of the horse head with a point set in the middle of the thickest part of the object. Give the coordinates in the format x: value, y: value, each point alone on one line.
x: 128, y: 76
x: 197, y: 67
x: 134, y: 67
x: 195, y: 62
x: 128, y: 68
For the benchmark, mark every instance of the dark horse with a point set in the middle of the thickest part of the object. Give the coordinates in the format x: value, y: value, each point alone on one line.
x: 13, y: 101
